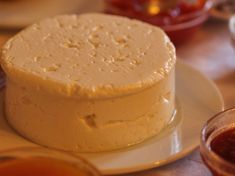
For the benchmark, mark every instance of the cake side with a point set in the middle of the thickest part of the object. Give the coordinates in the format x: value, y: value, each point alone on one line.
x: 80, y: 56
x: 90, y: 125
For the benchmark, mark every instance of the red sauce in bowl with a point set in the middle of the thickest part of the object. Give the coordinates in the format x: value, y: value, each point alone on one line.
x: 224, y: 145
x: 147, y: 10
x: 169, y: 17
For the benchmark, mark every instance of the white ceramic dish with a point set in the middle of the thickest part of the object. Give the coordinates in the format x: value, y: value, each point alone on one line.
x: 18, y: 14
x: 198, y: 99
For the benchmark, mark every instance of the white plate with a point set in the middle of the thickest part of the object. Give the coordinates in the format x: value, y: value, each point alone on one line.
x: 198, y: 99
x: 18, y: 14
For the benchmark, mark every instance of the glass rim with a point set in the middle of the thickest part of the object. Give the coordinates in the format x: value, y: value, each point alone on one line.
x: 205, y: 8
x: 196, y: 18
x: 203, y: 138
x: 185, y: 25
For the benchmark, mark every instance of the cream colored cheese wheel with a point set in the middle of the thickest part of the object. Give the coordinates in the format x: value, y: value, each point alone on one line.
x: 89, y: 83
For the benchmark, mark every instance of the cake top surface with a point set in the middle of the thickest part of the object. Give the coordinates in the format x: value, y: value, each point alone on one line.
x: 90, y: 54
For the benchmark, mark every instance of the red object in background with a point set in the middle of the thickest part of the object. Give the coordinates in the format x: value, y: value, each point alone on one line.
x: 179, y: 18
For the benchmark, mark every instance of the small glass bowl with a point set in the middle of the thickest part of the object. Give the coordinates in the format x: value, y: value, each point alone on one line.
x: 179, y: 28
x: 69, y: 159
x: 217, y: 124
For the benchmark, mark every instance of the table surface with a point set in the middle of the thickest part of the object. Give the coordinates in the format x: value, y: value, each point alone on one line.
x: 211, y: 52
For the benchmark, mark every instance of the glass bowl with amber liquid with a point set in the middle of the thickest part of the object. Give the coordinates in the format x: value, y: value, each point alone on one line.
x: 39, y: 161
x: 218, y: 143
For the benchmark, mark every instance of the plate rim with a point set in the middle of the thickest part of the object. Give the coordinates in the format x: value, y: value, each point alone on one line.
x: 171, y: 159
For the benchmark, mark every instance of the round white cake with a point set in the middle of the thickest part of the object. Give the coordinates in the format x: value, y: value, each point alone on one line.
x: 89, y: 83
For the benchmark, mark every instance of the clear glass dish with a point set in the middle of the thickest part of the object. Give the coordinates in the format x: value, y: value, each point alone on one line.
x: 215, y: 126
x: 57, y: 161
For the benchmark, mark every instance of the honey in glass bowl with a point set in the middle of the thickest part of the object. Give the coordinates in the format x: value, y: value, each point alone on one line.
x: 43, y: 162
x: 218, y: 143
